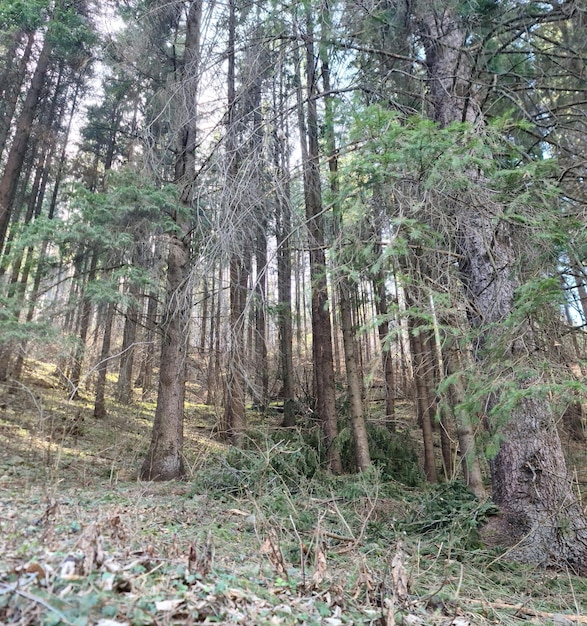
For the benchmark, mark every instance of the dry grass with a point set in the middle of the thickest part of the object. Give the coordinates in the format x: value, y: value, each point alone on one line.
x: 82, y: 542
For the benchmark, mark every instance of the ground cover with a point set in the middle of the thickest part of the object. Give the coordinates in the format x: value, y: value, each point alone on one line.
x: 259, y: 536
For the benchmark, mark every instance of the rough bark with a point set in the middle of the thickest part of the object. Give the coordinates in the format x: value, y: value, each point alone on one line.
x: 164, y: 460
x: 321, y: 324
x: 358, y: 426
x: 530, y: 481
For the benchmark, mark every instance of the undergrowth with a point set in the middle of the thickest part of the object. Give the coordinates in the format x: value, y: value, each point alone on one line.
x: 261, y: 535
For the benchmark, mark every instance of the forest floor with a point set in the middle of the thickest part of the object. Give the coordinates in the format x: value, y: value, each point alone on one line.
x: 249, y: 538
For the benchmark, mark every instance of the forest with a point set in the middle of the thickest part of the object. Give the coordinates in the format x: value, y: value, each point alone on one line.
x: 293, y: 312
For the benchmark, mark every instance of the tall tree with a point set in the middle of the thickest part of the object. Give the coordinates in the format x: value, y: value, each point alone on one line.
x: 164, y: 460
x: 529, y: 477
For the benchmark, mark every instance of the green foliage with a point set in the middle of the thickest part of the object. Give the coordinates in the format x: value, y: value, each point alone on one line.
x: 451, y: 513
x: 393, y: 453
x: 25, y: 15
x: 268, y: 461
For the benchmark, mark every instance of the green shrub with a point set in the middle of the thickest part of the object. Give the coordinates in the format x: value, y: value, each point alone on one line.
x: 392, y: 452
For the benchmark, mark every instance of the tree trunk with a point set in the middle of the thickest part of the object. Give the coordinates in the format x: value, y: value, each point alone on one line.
x: 262, y: 382
x: 531, y: 485
x: 16, y: 155
x: 454, y: 363
x: 381, y: 308
x: 100, y: 399
x: 284, y: 308
x: 422, y: 399
x: 129, y: 336
x: 358, y: 427
x: 12, y: 85
x: 149, y: 351
x: 84, y: 326
x: 321, y: 325
x: 164, y: 460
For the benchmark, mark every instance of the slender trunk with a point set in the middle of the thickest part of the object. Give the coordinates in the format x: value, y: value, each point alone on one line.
x: 358, y: 426
x: 381, y: 309
x: 321, y: 324
x: 16, y: 155
x: 205, y: 314
x: 12, y: 86
x: 102, y: 369
x: 262, y: 382
x: 84, y: 326
x: 422, y: 400
x: 285, y: 318
x: 454, y: 363
x: 149, y: 351
x: 234, y: 422
x: 127, y: 351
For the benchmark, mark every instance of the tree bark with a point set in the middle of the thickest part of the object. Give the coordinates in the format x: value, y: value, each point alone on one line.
x: 164, y: 460
x: 531, y: 485
x: 16, y: 154
x: 100, y: 398
x: 321, y: 324
x: 358, y: 426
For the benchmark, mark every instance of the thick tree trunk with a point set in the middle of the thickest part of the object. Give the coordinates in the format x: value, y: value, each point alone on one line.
x: 321, y: 324
x: 531, y: 485
x: 164, y: 460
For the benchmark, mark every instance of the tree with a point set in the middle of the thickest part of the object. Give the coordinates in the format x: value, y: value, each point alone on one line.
x: 164, y: 460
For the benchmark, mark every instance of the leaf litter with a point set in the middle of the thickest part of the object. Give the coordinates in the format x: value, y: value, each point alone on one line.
x: 105, y: 551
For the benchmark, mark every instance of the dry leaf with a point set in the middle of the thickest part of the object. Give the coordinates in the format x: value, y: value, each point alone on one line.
x: 399, y: 575
x: 168, y: 605
x: 272, y: 550
x: 320, y: 567
x: 35, y: 568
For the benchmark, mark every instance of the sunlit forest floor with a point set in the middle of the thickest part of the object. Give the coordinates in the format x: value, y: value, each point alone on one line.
x: 253, y: 537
